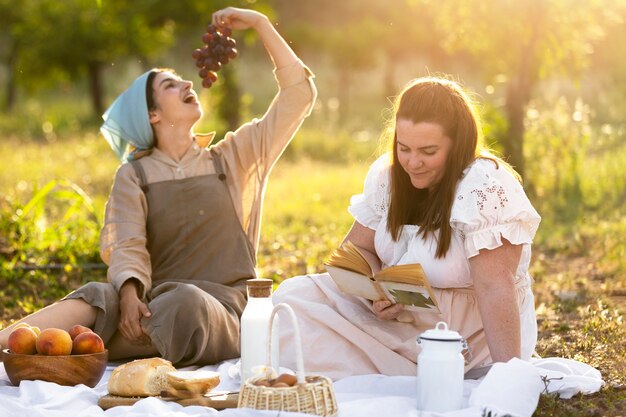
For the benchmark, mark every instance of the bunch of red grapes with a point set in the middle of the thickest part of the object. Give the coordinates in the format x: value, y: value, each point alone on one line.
x: 218, y: 50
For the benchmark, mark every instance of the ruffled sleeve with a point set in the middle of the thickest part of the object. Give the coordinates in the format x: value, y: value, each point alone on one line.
x: 372, y: 205
x: 490, y: 204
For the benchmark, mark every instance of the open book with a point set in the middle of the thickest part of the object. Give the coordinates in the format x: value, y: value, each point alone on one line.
x: 404, y: 284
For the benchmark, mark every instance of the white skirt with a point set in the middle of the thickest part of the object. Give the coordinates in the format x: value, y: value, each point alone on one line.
x: 341, y: 335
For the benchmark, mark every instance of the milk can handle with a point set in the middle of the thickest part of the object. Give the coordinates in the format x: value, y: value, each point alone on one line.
x: 298, y: 341
x: 468, y: 349
x: 442, y: 325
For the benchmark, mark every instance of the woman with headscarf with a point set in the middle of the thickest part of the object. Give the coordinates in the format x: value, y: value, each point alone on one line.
x: 182, y: 222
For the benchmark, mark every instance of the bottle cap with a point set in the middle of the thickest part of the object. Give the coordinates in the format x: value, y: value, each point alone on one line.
x: 259, y: 282
x: 259, y: 287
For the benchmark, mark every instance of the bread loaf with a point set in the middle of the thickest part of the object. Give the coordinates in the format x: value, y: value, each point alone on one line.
x: 197, y: 382
x: 140, y: 378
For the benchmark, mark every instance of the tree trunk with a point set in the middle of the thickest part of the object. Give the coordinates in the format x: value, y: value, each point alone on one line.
x: 94, y: 70
x: 230, y: 104
x: 518, y: 96
x: 11, y: 88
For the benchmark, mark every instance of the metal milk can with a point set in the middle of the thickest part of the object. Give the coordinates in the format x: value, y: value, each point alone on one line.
x: 440, y: 369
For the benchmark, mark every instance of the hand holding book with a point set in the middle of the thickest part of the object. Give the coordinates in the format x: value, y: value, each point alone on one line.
x: 404, y: 284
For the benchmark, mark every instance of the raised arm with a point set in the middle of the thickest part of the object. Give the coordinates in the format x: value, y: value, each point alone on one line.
x: 277, y: 48
x: 250, y: 152
x: 262, y: 141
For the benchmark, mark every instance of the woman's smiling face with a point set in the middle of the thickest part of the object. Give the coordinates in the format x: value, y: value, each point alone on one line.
x: 423, y: 150
x: 174, y: 98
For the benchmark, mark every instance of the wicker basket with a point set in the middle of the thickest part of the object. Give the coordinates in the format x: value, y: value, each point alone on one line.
x: 311, y: 394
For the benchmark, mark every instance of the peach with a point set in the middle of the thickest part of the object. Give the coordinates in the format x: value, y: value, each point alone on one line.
x: 35, y: 329
x: 55, y: 342
x: 87, y: 342
x: 23, y: 341
x: 77, y: 329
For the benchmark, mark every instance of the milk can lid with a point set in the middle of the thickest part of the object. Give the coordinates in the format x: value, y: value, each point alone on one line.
x: 441, y: 334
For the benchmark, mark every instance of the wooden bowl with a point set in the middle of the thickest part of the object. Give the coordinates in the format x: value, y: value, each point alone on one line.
x: 64, y: 370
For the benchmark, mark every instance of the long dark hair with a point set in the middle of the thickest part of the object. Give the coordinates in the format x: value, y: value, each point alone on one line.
x: 149, y: 88
x: 440, y: 101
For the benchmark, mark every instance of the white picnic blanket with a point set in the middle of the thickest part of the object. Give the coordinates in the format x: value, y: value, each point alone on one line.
x: 508, y: 388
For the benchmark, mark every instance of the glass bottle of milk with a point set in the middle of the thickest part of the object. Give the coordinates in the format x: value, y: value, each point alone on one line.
x: 255, y: 328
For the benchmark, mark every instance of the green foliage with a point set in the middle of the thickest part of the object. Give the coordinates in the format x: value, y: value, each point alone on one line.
x: 494, y: 126
x: 548, y: 129
x: 333, y: 146
x: 58, y: 225
x: 229, y: 104
x: 51, y: 116
x: 45, y: 246
x: 26, y: 291
x: 96, y: 34
x: 496, y: 32
x: 574, y: 172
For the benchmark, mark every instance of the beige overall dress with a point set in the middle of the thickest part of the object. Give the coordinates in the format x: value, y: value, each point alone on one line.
x: 200, y: 258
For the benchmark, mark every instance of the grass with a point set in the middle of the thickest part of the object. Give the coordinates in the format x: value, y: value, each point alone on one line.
x: 305, y: 215
x: 51, y: 208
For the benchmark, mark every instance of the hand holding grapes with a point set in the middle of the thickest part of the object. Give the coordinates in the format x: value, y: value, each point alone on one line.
x: 211, y: 57
x: 237, y: 19
x: 219, y: 47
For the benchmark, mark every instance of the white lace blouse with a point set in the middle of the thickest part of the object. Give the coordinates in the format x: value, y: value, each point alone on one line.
x: 489, y: 204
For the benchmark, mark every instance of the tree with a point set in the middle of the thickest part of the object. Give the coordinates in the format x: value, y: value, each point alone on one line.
x: 12, y: 22
x: 46, y: 42
x: 63, y: 41
x: 522, y: 42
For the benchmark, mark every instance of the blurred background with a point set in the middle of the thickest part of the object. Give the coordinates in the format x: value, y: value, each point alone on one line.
x: 548, y: 74
x: 549, y: 77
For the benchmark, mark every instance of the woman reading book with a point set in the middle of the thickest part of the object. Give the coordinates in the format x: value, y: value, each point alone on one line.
x: 437, y: 199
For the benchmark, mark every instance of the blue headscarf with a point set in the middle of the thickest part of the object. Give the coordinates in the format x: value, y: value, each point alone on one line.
x: 126, y: 121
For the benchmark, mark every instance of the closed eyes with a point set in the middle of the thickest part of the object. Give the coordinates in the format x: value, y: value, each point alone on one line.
x: 428, y: 150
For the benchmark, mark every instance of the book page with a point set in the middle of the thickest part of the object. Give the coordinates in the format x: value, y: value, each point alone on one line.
x: 354, y: 283
x: 408, y: 285
x: 407, y: 274
x: 349, y: 257
x: 413, y: 297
